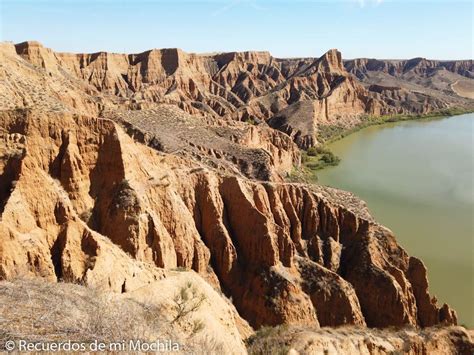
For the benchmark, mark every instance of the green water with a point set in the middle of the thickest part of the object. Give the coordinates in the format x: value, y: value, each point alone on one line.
x: 417, y: 179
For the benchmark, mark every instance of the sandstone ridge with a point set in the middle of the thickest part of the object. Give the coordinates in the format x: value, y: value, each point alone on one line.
x: 119, y: 171
x: 305, y: 255
x: 296, y: 96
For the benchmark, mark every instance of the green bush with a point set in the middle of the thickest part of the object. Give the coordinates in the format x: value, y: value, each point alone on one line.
x: 304, y: 157
x: 330, y: 159
x: 313, y: 166
x: 315, y: 151
x: 312, y: 151
x: 251, y: 121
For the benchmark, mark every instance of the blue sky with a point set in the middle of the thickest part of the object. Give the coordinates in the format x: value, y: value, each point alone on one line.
x: 440, y: 29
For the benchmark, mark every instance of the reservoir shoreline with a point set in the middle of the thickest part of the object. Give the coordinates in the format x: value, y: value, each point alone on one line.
x: 416, y: 177
x: 381, y: 120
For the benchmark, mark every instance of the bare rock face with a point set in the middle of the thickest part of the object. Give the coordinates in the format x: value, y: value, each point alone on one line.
x: 38, y: 55
x: 35, y: 79
x: 416, y: 85
x: 360, y: 67
x: 115, y: 212
x: 231, y: 147
x: 319, y: 91
x: 295, y: 96
x: 116, y: 169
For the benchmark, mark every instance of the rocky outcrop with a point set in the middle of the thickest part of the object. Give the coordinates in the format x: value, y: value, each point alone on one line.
x: 319, y: 92
x: 295, y: 96
x: 421, y: 66
x: 42, y: 83
x: 114, y: 213
x: 232, y: 147
x: 416, y: 85
x: 38, y: 55
x: 117, y: 171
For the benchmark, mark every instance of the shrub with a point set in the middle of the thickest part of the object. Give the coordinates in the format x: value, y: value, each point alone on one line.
x: 268, y: 340
x: 313, y: 166
x: 330, y: 159
x: 304, y: 157
x: 315, y: 151
x: 125, y: 198
x: 312, y: 151
x: 251, y: 121
x: 187, y: 301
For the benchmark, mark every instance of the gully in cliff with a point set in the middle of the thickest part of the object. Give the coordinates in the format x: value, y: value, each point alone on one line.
x: 145, y: 204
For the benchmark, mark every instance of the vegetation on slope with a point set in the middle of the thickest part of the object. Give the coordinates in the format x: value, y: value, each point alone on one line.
x: 34, y: 310
x: 330, y: 133
x: 356, y: 340
x: 320, y: 157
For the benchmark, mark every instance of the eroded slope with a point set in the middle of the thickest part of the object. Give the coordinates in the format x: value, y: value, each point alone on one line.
x: 296, y: 96
x: 82, y: 192
x: 116, y: 169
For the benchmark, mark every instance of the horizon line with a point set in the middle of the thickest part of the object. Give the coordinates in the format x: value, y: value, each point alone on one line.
x: 217, y: 52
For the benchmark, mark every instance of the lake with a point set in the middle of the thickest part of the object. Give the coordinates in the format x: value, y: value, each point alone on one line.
x: 417, y: 179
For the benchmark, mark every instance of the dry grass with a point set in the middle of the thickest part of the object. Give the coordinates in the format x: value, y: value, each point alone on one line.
x: 393, y: 340
x: 269, y: 340
x: 39, y: 311
x: 36, y: 310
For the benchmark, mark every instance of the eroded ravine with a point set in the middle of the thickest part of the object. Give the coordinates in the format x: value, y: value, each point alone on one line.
x: 264, y: 244
x: 138, y: 174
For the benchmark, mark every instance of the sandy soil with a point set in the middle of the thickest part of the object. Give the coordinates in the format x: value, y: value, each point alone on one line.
x: 464, y: 88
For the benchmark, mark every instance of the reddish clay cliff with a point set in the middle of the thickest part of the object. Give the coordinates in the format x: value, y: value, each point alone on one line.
x: 116, y: 169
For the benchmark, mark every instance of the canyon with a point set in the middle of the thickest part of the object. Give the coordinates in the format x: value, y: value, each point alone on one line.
x: 130, y: 173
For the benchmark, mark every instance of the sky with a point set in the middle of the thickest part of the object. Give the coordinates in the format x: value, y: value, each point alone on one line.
x: 436, y: 29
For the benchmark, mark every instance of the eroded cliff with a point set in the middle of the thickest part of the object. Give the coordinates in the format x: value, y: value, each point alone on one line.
x: 116, y: 169
x: 296, y: 96
x: 83, y: 199
x: 417, y: 85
